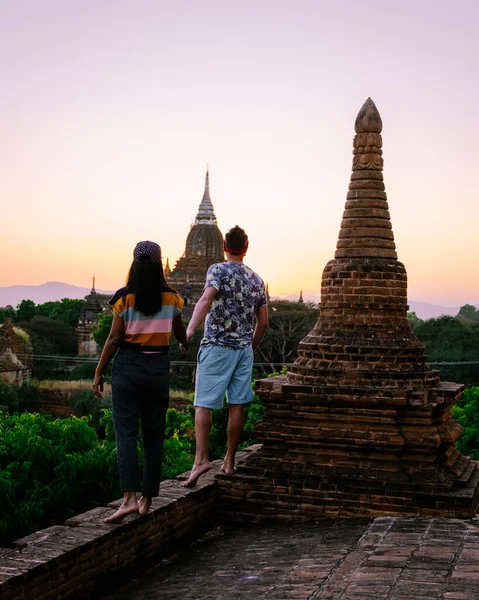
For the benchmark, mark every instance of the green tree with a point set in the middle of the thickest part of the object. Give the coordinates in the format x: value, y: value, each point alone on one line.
x: 67, y: 310
x: 6, y: 313
x: 413, y: 320
x: 26, y: 310
x: 15, y: 398
x: 449, y: 339
x: 50, y: 337
x: 102, y: 328
x: 289, y: 323
x: 468, y: 313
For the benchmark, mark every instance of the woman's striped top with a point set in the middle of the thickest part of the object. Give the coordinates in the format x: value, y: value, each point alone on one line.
x: 153, y: 330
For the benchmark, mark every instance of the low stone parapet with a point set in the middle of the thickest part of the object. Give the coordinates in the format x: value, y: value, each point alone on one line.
x: 85, y: 555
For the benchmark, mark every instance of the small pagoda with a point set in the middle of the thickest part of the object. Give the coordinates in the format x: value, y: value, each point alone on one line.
x: 95, y: 305
x: 204, y: 247
x: 360, y: 425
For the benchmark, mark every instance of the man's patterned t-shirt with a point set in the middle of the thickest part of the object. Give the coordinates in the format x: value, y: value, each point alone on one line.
x: 231, y: 319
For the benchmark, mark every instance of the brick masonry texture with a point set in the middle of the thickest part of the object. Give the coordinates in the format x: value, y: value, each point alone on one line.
x: 360, y: 425
x: 85, y: 555
x: 187, y: 554
x: 390, y: 558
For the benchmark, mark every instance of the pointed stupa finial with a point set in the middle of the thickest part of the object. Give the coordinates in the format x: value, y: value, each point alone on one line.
x: 93, y: 291
x: 301, y: 297
x: 167, y: 267
x: 368, y: 119
x: 206, y: 213
x: 366, y: 229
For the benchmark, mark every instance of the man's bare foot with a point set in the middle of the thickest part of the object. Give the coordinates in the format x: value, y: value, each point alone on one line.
x: 227, y: 468
x: 125, y: 509
x: 144, y: 505
x: 196, y: 473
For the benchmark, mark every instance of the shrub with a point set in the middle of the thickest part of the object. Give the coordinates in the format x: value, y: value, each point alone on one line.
x: 49, y: 471
x: 18, y: 398
x: 53, y: 469
x: 466, y: 413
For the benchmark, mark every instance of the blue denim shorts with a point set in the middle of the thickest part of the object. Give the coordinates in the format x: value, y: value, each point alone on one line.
x: 223, y: 371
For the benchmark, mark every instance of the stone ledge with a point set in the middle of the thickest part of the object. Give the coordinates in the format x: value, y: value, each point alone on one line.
x: 86, y: 555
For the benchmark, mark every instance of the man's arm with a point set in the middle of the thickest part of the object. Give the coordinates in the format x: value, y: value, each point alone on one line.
x: 261, y: 325
x: 201, y: 310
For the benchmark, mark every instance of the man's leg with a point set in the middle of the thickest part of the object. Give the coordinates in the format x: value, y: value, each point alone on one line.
x: 238, y: 393
x: 235, y: 429
x: 203, y: 424
x: 215, y: 366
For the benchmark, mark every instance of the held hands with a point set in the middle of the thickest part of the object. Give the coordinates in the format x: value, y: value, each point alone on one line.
x: 97, y: 386
x: 190, y: 332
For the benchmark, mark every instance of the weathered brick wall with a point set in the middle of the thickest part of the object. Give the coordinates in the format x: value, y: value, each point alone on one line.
x: 86, y: 555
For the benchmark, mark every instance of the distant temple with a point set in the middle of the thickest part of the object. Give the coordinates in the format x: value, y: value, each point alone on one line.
x: 94, y: 305
x: 204, y: 247
x: 16, y: 355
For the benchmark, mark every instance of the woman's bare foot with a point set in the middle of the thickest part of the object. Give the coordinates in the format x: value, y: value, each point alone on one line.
x: 144, y: 505
x: 126, y: 508
x: 227, y: 468
x: 196, y: 473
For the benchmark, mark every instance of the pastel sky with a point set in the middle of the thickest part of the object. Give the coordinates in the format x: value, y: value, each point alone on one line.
x: 110, y: 111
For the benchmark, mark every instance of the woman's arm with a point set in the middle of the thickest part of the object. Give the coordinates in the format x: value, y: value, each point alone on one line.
x: 179, y: 331
x: 115, y: 337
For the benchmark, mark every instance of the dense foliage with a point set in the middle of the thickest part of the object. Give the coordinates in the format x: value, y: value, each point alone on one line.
x: 101, y: 329
x: 18, y: 398
x: 66, y: 310
x: 51, y: 328
x: 452, y: 339
x: 50, y: 337
x: 51, y: 469
x: 466, y: 413
x: 289, y: 323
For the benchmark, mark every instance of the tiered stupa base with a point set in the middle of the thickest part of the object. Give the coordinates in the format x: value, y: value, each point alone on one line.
x: 338, y: 452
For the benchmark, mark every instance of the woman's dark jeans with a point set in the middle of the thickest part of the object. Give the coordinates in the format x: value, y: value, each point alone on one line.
x: 140, y: 390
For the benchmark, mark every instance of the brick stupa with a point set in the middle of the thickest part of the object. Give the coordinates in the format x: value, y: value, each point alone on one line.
x: 360, y: 425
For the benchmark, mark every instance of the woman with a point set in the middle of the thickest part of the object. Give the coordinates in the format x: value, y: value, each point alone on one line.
x: 144, y: 314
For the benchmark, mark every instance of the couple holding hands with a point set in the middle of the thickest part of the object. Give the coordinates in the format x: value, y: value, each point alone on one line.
x: 145, y: 312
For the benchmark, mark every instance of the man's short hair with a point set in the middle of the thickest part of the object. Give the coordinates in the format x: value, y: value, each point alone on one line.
x: 236, y: 239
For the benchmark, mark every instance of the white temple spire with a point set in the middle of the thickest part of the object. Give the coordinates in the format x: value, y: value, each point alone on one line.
x: 206, y: 213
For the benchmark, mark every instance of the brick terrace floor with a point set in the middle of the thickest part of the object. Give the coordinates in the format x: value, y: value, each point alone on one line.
x: 389, y: 558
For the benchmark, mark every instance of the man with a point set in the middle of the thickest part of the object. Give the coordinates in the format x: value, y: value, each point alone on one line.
x: 235, y: 307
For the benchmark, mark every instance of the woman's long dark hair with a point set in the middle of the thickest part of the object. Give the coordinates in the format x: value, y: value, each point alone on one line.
x: 147, y: 281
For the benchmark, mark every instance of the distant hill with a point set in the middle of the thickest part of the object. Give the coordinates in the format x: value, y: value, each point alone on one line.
x: 431, y: 311
x: 422, y: 309
x: 55, y: 290
x: 46, y: 292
